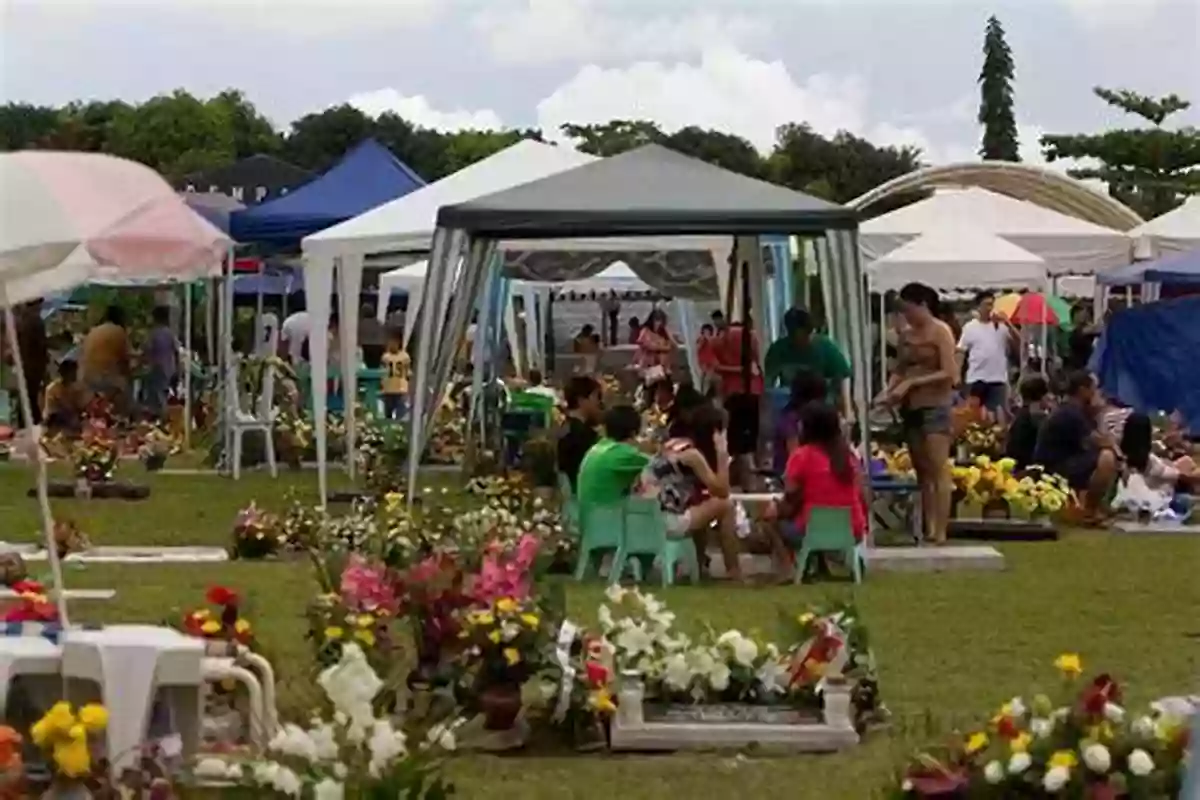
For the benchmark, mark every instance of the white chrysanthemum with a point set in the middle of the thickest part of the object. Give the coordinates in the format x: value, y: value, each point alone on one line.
x: 718, y: 676
x: 1143, y: 727
x: 329, y: 789
x: 1019, y: 763
x: 1140, y: 763
x: 1055, y: 779
x: 1114, y: 713
x: 1041, y: 728
x: 1017, y: 707
x: 677, y: 675
x: 993, y: 773
x: 773, y: 677
x: 1097, y: 758
x: 634, y: 640
x: 292, y: 740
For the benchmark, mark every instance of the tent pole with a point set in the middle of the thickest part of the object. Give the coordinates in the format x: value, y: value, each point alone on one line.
x: 883, y: 332
x: 35, y: 452
x: 187, y: 368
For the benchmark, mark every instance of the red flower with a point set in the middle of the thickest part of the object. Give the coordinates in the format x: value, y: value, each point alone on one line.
x: 220, y: 596
x: 1006, y: 728
x: 1102, y: 691
x: 597, y: 674
x: 28, y: 587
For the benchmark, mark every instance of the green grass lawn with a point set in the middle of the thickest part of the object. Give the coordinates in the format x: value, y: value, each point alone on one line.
x: 950, y: 646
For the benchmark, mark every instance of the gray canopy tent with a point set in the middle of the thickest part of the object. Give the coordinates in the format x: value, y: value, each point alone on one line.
x: 647, y: 200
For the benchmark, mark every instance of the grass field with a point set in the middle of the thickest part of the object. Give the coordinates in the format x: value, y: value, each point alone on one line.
x: 950, y: 646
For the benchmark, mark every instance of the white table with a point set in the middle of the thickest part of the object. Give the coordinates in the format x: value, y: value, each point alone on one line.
x: 131, y: 664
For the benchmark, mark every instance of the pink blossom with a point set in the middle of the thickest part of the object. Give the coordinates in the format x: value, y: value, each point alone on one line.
x: 367, y: 587
x: 506, y: 573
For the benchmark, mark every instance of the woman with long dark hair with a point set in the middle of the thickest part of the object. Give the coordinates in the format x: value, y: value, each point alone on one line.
x: 690, y: 476
x: 655, y: 348
x: 1161, y: 475
x: 822, y: 471
x: 807, y: 387
x: 922, y: 390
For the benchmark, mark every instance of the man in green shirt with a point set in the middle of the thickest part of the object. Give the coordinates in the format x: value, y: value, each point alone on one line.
x: 613, y: 464
x: 802, y: 349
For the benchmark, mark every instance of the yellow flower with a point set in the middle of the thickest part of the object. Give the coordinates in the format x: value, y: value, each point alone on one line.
x: 212, y: 626
x: 73, y: 758
x: 806, y: 618
x: 482, y: 618
x: 59, y: 719
x: 366, y: 621
x: 1069, y: 665
x: 512, y: 656
x: 976, y: 742
x: 531, y: 620
x: 200, y: 614
x: 40, y: 733
x: 334, y: 632
x: 1063, y: 758
x: 241, y: 626
x: 367, y: 637
x: 495, y: 637
x: 94, y: 717
x: 506, y: 605
x: 1021, y: 743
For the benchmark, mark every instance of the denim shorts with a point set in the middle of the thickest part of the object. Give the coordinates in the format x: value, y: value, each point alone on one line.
x: 993, y: 395
x: 925, y: 421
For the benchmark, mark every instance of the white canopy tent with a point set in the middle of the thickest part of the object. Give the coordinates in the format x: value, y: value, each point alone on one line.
x: 1069, y: 246
x: 1176, y: 231
x: 958, y: 257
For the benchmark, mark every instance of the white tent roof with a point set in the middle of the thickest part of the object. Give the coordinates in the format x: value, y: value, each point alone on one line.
x: 408, y: 222
x: 1176, y: 231
x: 954, y: 258
x: 1069, y: 246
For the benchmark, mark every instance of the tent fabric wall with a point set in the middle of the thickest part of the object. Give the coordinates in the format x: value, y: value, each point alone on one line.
x: 1176, y: 231
x: 1069, y: 246
x: 1179, y: 268
x: 958, y: 257
x: 1138, y: 358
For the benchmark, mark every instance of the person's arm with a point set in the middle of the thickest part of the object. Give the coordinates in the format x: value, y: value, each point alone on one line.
x: 628, y: 463
x: 839, y: 375
x: 715, y: 480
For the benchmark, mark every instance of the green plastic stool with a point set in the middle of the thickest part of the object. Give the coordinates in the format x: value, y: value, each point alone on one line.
x: 599, y: 532
x: 829, y: 531
x: 569, y: 504
x: 646, y: 539
x: 369, y: 383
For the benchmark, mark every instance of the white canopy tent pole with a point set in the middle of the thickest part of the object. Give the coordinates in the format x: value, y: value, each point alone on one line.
x: 187, y: 368
x: 685, y: 311
x: 883, y: 332
x: 35, y: 447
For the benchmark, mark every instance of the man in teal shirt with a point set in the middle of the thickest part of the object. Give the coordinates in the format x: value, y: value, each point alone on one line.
x: 802, y: 349
x: 612, y: 466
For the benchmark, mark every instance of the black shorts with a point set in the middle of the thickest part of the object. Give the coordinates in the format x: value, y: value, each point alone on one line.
x: 1078, y: 470
x: 744, y: 411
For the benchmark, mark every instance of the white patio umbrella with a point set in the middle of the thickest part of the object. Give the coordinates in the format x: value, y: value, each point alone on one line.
x: 68, y: 217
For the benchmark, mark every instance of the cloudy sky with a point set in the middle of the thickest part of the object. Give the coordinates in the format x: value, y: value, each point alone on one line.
x: 895, y: 71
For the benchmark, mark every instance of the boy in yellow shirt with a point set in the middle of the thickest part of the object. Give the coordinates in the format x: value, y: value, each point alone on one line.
x: 397, y: 367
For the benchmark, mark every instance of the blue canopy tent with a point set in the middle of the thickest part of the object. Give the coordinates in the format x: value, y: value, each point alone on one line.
x: 1175, y: 269
x: 367, y: 176
x: 1139, y: 358
x: 274, y: 279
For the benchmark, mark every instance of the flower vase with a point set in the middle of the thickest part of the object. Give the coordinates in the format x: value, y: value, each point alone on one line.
x: 588, y: 732
x: 67, y: 790
x: 83, y: 489
x: 501, y: 705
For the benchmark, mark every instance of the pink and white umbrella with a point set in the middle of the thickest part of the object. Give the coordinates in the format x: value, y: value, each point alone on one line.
x: 66, y: 218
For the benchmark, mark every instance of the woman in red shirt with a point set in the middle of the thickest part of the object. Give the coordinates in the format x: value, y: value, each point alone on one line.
x: 822, y: 471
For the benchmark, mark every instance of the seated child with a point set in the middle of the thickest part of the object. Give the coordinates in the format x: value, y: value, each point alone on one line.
x: 822, y: 471
x: 1161, y: 475
x: 65, y: 400
x: 1036, y: 402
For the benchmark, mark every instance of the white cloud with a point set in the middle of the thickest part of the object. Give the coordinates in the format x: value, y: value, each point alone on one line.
x: 726, y: 90
x: 547, y: 31
x: 1116, y: 13
x: 418, y: 110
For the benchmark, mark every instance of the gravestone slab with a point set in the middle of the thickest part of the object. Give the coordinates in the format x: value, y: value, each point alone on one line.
x: 139, y: 555
x: 934, y: 559
x: 638, y: 726
x: 71, y: 594
x: 1130, y: 528
x: 106, y: 490
x: 1002, y: 530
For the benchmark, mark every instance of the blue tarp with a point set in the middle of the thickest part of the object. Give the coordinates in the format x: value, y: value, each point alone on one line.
x: 273, y: 282
x: 1175, y: 269
x: 1147, y: 354
x: 367, y: 176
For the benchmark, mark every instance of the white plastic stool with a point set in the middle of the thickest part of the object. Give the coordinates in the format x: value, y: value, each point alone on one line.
x: 26, y: 655
x: 131, y: 665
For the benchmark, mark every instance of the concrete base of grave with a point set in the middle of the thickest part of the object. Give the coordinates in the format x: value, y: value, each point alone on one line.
x: 1130, y: 528
x: 128, y: 555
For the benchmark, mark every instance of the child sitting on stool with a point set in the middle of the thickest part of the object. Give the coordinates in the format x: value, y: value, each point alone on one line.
x: 65, y: 401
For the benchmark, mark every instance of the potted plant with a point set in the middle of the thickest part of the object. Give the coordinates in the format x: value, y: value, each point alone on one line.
x: 255, y: 534
x: 505, y: 644
x: 156, y: 445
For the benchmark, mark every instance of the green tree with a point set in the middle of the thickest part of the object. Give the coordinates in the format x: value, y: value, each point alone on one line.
x: 1148, y: 168
x: 612, y: 137
x: 316, y: 141
x: 23, y: 126
x: 723, y: 149
x: 838, y: 169
x: 996, y: 97
x: 175, y: 134
x: 463, y: 148
x: 252, y: 132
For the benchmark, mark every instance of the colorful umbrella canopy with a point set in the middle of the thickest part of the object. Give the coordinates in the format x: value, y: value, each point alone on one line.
x: 1033, y: 308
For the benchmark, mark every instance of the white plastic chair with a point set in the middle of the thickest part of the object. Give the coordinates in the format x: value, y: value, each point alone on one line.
x: 261, y: 419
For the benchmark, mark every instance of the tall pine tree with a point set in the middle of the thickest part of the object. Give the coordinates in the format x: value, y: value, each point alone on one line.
x: 996, y: 97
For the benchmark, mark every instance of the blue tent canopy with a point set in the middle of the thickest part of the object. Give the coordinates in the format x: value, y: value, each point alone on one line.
x: 1141, y: 356
x: 1176, y: 269
x: 276, y: 279
x: 367, y: 176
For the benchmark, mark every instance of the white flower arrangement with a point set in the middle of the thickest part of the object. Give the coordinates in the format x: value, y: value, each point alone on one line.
x: 354, y: 754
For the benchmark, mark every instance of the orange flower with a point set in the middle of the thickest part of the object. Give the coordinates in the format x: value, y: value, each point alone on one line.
x: 10, y: 749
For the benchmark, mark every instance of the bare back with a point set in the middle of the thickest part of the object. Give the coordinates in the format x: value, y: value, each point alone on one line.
x: 925, y: 352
